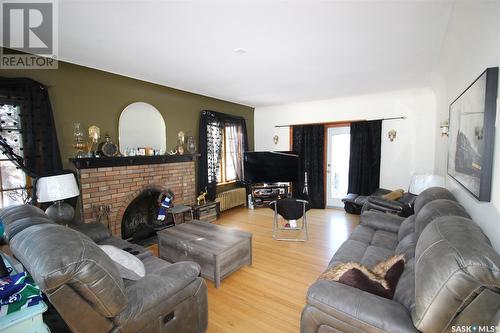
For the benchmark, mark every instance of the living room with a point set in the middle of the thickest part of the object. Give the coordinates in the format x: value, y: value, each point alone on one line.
x: 236, y: 166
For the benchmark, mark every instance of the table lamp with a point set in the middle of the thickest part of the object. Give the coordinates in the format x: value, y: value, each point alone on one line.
x: 421, y: 182
x: 56, y: 189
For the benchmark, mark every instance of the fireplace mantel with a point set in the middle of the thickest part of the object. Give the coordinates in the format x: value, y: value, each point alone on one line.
x: 106, y: 162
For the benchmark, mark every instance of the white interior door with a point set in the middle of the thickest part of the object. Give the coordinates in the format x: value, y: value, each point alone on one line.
x: 337, y: 167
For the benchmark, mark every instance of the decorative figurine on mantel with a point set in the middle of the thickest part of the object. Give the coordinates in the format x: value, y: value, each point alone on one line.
x: 108, y: 148
x: 202, y: 197
x: 180, y: 143
x: 191, y: 146
x: 79, y: 144
x: 94, y: 136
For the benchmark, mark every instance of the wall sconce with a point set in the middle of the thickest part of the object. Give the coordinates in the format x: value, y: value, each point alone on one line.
x: 276, y: 139
x: 479, y: 132
x: 445, y: 128
x: 392, y: 134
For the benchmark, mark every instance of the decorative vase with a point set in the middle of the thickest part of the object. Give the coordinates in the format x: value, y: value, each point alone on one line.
x: 78, y: 141
x: 191, y: 146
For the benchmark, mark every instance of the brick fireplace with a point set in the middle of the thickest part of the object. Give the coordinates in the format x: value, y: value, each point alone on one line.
x: 118, y: 181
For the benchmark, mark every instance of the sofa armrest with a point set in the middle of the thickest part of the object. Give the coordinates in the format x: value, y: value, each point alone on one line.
x: 95, y: 231
x: 156, y: 294
x: 381, y: 221
x: 161, y: 284
x: 352, y: 307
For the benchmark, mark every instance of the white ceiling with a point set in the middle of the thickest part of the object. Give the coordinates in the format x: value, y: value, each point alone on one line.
x: 295, y: 50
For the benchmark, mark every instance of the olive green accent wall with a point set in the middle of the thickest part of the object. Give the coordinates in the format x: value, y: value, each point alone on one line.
x: 94, y: 97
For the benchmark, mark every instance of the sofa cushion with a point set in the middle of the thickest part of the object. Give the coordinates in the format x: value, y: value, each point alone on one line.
x: 16, y: 212
x: 19, y: 217
x: 366, y: 246
x: 435, y: 209
x: 381, y: 221
x: 405, y: 289
x: 431, y: 194
x: 407, y: 227
x: 16, y: 226
x: 453, y: 261
x: 407, y: 246
x: 371, y: 236
x: 359, y: 310
x: 387, y: 240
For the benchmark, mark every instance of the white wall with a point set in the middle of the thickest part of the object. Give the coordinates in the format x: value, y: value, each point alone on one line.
x: 471, y: 44
x: 411, y: 152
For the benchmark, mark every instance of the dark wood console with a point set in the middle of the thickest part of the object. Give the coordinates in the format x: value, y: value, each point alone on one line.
x: 263, y: 194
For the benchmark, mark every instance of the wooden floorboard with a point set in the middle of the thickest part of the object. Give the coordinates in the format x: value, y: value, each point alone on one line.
x: 269, y: 295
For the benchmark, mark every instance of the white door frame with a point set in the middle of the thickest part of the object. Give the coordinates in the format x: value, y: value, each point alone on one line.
x: 332, y: 202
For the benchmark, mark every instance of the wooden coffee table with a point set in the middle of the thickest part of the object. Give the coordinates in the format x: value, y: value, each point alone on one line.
x: 218, y: 250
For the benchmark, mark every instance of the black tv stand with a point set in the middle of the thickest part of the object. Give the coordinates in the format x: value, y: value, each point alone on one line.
x: 264, y: 193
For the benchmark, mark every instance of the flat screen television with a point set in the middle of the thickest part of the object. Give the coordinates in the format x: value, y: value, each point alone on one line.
x: 270, y: 166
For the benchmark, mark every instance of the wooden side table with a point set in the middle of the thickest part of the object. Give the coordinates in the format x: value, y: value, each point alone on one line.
x: 207, y: 212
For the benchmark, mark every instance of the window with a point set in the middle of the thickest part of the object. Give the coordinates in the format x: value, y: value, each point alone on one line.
x: 231, y: 154
x: 13, y: 181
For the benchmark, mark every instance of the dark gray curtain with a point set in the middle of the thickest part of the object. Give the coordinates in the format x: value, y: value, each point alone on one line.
x: 309, y: 144
x: 364, y: 161
x: 210, y: 143
x: 40, y: 147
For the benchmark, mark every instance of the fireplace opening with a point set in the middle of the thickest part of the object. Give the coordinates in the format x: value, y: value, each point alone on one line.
x: 140, y: 223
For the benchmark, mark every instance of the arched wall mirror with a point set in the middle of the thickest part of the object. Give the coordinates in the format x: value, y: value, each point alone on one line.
x: 142, y: 125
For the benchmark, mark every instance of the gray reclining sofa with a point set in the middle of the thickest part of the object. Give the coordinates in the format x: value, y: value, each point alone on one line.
x: 85, y: 287
x: 451, y: 277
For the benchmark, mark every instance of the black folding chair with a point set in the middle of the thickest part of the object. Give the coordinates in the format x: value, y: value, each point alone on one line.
x: 291, y: 211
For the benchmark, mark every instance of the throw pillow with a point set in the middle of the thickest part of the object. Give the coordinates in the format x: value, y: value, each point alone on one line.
x: 129, y: 266
x: 391, y: 269
x: 357, y: 276
x: 381, y: 281
x: 394, y: 195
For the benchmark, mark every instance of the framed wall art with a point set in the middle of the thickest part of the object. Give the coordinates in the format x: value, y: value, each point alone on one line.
x: 472, y: 135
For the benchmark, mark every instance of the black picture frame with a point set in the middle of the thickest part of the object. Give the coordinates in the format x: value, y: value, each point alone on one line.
x: 471, y: 141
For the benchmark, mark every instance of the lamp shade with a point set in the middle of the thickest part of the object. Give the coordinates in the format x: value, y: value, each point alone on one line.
x: 424, y: 181
x: 54, y: 188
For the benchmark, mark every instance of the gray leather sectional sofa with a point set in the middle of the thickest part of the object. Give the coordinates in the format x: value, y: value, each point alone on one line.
x: 85, y: 287
x: 451, y: 277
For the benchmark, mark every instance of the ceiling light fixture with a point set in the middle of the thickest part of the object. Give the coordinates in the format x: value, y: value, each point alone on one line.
x: 240, y: 50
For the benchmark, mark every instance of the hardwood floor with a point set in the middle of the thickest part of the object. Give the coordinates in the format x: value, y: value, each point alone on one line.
x: 269, y: 295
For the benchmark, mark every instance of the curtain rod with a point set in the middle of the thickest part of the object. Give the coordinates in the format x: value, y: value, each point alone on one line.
x: 342, y: 121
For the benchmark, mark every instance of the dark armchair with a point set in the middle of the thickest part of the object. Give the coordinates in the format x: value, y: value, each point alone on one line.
x: 356, y: 204
x: 402, y: 206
